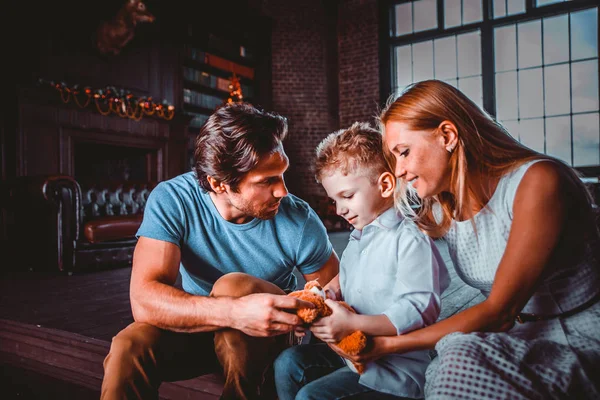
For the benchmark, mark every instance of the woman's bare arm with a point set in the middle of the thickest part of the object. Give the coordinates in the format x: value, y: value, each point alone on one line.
x: 538, y: 220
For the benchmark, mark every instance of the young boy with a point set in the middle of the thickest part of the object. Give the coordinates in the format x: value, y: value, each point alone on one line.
x: 391, y: 273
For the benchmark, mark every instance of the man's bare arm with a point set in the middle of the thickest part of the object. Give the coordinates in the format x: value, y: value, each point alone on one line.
x: 154, y: 299
x: 327, y: 272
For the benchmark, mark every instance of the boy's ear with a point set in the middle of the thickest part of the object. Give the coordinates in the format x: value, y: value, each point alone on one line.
x: 386, y: 184
x: 216, y: 186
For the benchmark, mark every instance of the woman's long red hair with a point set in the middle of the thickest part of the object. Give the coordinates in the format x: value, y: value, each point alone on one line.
x: 484, y: 146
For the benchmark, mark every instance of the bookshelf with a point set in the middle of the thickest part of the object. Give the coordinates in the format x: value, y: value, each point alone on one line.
x: 209, y: 61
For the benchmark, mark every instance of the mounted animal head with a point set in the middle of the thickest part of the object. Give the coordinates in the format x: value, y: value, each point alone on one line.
x: 114, y: 34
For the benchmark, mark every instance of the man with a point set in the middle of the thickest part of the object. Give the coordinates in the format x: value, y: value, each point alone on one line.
x: 234, y: 234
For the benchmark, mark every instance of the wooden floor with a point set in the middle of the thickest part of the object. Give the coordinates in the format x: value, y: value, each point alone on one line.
x: 92, y: 304
x: 57, y: 328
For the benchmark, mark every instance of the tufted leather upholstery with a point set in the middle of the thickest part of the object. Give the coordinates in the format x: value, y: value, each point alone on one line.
x: 111, y: 199
x: 73, y: 225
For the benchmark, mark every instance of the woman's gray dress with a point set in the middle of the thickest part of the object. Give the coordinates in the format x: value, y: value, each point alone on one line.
x: 555, y: 358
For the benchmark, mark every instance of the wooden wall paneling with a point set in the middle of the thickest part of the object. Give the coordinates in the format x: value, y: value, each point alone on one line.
x: 133, y: 69
x: 32, y: 121
x: 48, y: 131
x: 42, y: 149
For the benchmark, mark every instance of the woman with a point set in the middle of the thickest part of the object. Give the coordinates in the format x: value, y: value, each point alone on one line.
x: 520, y: 227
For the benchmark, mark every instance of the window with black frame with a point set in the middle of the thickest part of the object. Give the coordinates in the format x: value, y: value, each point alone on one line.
x: 533, y: 64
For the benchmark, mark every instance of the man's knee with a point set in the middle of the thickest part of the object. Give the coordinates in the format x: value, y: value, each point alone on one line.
x: 130, y: 366
x: 238, y: 284
x: 133, y: 343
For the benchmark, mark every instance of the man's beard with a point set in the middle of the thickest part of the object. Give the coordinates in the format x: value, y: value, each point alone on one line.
x: 247, y: 209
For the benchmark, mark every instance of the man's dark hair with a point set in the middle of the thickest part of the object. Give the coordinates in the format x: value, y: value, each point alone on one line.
x: 233, y: 140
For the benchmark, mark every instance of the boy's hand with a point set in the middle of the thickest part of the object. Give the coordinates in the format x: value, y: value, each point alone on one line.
x: 337, y: 326
x: 330, y: 294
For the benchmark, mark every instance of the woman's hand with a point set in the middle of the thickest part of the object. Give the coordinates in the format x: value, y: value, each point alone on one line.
x: 377, y: 347
x: 335, y: 327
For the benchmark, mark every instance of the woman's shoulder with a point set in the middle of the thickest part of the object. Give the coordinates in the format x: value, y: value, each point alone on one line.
x: 547, y: 172
x: 540, y: 177
x: 534, y: 167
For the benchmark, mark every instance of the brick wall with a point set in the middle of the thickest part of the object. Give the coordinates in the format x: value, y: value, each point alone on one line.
x: 300, y: 88
x: 358, y: 60
x: 325, y: 74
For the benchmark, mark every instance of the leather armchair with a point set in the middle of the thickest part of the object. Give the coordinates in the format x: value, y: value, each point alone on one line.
x: 57, y: 223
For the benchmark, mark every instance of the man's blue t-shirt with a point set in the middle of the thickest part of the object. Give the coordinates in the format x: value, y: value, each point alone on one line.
x: 181, y: 212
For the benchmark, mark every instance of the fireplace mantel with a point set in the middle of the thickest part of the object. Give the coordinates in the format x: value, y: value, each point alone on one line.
x: 48, y: 132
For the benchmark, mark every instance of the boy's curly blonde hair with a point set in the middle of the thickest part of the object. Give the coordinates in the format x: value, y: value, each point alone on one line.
x: 351, y: 149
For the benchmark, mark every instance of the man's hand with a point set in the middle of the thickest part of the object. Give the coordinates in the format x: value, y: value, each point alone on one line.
x: 335, y: 327
x: 264, y: 314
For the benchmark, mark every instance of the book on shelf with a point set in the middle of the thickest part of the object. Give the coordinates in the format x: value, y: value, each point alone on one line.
x: 219, y: 62
x: 201, y: 99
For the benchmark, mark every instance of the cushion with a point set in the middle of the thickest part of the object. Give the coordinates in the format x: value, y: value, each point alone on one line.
x: 112, y: 228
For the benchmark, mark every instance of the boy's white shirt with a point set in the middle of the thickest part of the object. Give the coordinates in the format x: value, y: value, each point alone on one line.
x: 392, y: 268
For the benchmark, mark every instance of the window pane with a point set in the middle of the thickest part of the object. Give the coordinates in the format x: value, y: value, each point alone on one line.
x: 586, y: 140
x: 502, y: 8
x: 505, y: 48
x: 499, y: 8
x: 403, y: 66
x: 445, y: 58
x: 469, y: 54
x: 584, y: 76
x: 540, y: 3
x: 472, y: 88
x: 452, y: 82
x: 423, y: 61
x: 512, y: 127
x: 531, y: 102
x: 515, y: 6
x: 425, y: 15
x: 404, y: 19
x: 556, y: 39
x: 452, y: 12
x: 471, y: 11
x: 558, y: 138
x: 557, y: 88
x: 506, y: 96
x: 530, y: 44
x: 584, y: 34
x: 531, y: 132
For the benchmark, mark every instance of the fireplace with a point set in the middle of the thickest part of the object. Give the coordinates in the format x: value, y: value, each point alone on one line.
x: 105, y: 156
x: 105, y: 162
x: 55, y: 139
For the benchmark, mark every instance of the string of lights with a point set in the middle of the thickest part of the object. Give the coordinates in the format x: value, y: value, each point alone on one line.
x: 112, y: 100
